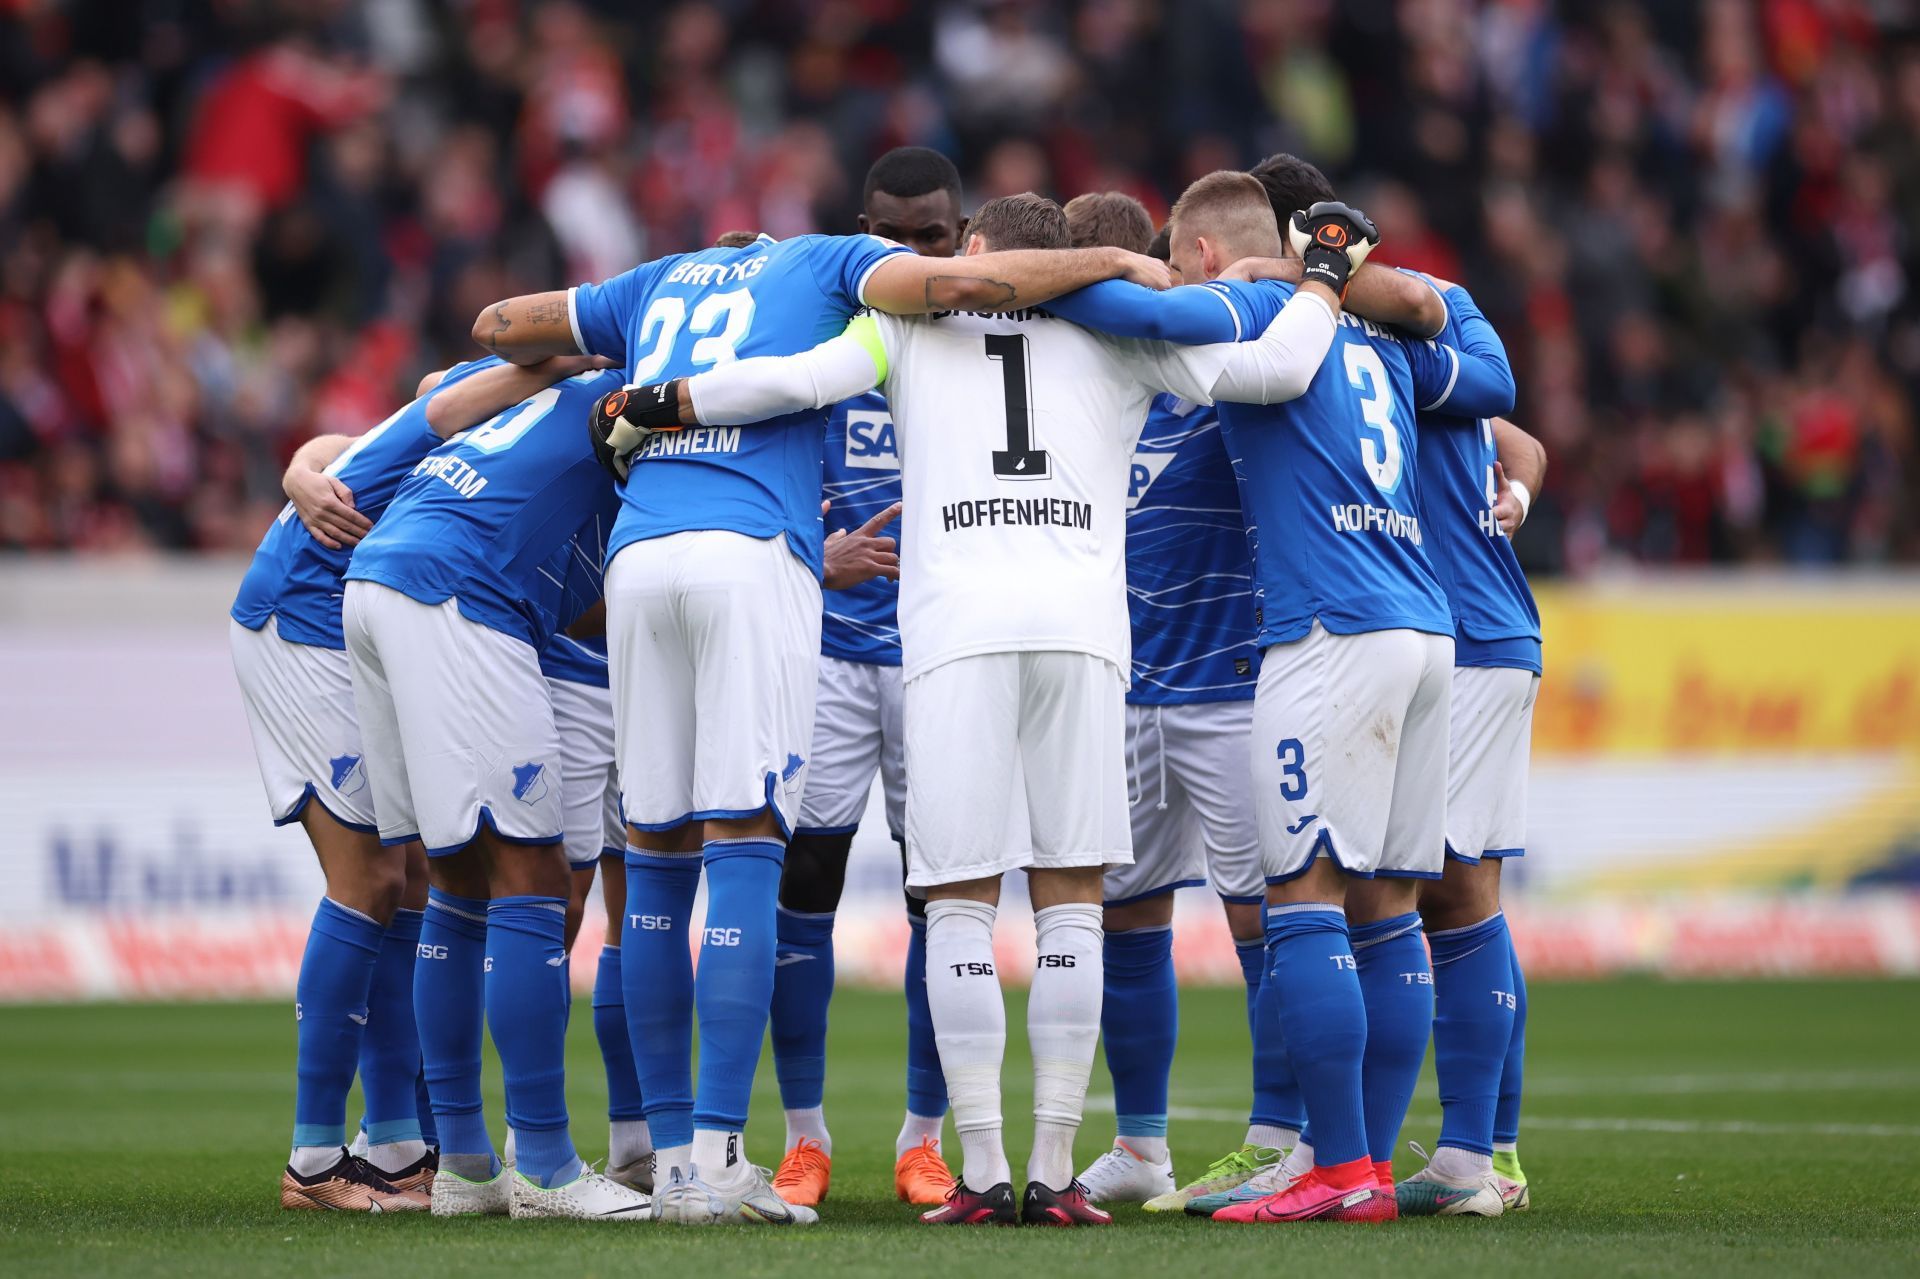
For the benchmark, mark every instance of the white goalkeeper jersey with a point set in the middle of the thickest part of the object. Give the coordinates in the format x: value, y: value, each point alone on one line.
x: 1015, y: 434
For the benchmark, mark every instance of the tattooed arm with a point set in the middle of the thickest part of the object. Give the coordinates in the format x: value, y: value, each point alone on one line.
x: 907, y: 284
x: 527, y: 329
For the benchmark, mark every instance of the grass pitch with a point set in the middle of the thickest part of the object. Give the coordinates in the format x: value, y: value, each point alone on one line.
x: 1671, y: 1129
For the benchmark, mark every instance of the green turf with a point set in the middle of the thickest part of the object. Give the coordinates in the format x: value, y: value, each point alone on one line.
x: 1697, y: 1129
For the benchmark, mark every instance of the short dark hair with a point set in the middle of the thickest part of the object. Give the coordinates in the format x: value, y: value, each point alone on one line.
x: 1111, y: 218
x: 910, y: 171
x: 735, y: 239
x: 1024, y: 221
x: 1161, y: 246
x: 1292, y: 184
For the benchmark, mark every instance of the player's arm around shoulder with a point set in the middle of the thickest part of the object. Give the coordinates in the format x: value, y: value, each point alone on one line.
x: 477, y: 397
x: 529, y: 328
x: 908, y: 284
x: 741, y: 392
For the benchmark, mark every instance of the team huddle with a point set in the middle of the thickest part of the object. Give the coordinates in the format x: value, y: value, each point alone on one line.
x: 1202, y: 578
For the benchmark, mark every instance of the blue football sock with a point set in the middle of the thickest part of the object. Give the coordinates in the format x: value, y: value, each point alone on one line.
x: 527, y: 1000
x: 733, y: 986
x: 926, y: 1081
x: 429, y: 1132
x: 1253, y: 967
x: 1506, y: 1115
x: 390, y: 1051
x: 1395, y: 982
x: 330, y: 1011
x: 656, y: 973
x: 1324, y: 1019
x: 1276, y: 1090
x: 1472, y: 1026
x: 1140, y: 1020
x: 449, y: 982
x: 802, y: 989
x: 616, y: 1048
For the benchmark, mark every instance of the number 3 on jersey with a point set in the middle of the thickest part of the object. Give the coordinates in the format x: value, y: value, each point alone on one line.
x: 1019, y: 460
x: 1367, y: 375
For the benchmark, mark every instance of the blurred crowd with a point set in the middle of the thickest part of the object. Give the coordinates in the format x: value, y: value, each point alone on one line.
x: 227, y: 225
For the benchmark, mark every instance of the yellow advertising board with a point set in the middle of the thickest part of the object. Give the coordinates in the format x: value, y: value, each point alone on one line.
x: 1730, y: 668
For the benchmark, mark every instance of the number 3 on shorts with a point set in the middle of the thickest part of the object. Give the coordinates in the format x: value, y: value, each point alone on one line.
x: 1293, y: 767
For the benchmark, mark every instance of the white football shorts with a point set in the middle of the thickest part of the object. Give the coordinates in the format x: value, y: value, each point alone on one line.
x: 713, y: 641
x: 299, y: 701
x: 1488, y: 746
x: 1350, y: 753
x: 858, y: 730
x: 589, y: 797
x: 457, y: 721
x: 1190, y: 799
x: 996, y: 737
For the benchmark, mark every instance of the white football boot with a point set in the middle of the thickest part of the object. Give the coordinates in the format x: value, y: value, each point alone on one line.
x: 591, y: 1196
x: 693, y: 1201
x: 455, y: 1196
x: 1122, y: 1177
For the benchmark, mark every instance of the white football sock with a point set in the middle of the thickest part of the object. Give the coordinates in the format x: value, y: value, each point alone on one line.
x: 392, y: 1156
x: 970, y: 1030
x: 1459, y: 1166
x: 1152, y: 1150
x: 810, y: 1123
x: 1063, y: 1028
x: 628, y: 1141
x: 1271, y: 1137
x: 1300, y: 1162
x: 916, y: 1129
x: 310, y: 1160
x: 720, y: 1156
x: 668, y: 1158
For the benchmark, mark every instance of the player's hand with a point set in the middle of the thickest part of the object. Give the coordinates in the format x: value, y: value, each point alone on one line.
x: 1143, y: 270
x: 325, y: 506
x: 1332, y: 239
x: 623, y: 420
x: 864, y: 554
x: 1509, y: 508
x: 1250, y: 269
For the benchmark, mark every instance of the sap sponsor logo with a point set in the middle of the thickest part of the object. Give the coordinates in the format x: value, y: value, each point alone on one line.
x: 1053, y: 961
x: 1146, y: 468
x: 530, y: 782
x: 424, y: 950
x: 105, y: 874
x: 871, y: 442
x: 720, y: 936
x: 973, y: 968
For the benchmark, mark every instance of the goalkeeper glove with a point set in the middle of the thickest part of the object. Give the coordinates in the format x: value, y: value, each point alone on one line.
x: 1332, y: 239
x: 625, y: 419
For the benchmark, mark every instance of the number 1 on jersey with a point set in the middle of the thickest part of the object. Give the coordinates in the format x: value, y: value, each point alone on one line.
x: 1019, y: 460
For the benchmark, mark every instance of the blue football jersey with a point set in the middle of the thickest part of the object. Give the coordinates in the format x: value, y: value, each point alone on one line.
x: 862, y: 479
x: 482, y: 518
x: 574, y: 582
x: 1189, y: 573
x: 681, y: 315
x: 1329, y: 481
x: 1495, y: 620
x: 295, y: 578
